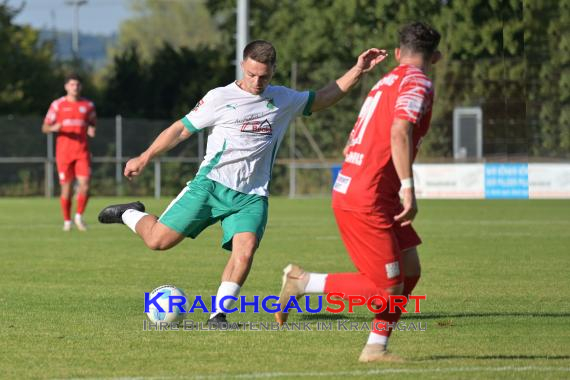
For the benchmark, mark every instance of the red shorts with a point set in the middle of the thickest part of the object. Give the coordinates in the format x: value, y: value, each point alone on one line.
x: 375, y: 251
x: 69, y: 170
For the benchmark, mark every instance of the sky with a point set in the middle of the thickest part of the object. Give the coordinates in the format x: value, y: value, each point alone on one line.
x: 96, y: 17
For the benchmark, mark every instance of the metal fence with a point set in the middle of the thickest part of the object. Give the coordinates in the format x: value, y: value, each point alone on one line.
x: 27, y: 166
x: 27, y: 160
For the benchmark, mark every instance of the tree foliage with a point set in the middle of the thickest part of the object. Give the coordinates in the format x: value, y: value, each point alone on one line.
x: 167, y: 86
x: 28, y: 75
x: 483, y: 65
x: 177, y: 23
x: 547, y: 58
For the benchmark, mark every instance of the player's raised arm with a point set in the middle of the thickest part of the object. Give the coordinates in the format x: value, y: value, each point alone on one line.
x: 334, y: 91
x: 167, y: 140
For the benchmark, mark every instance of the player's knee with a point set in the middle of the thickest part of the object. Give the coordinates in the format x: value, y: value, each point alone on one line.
x: 158, y: 243
x: 245, y: 246
x: 246, y: 255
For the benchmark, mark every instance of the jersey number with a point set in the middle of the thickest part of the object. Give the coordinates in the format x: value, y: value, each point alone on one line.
x: 364, y: 117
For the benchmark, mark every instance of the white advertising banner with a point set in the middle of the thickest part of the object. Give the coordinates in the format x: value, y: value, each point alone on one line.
x: 449, y: 180
x: 549, y: 180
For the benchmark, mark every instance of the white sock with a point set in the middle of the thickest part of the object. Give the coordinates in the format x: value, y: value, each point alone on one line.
x: 374, y: 338
x: 316, y: 283
x: 78, y: 216
x: 226, y: 289
x: 131, y: 218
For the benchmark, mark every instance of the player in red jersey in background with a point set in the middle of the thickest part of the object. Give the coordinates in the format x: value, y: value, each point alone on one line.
x: 73, y: 119
x: 374, y: 224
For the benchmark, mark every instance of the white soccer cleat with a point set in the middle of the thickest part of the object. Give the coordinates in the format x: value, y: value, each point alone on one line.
x: 294, y: 283
x: 375, y: 353
x: 66, y: 226
x: 79, y: 223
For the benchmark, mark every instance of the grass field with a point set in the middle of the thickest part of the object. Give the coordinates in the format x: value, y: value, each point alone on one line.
x: 495, y: 274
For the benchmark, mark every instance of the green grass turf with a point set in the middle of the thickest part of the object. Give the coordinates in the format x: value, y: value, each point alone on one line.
x: 495, y: 274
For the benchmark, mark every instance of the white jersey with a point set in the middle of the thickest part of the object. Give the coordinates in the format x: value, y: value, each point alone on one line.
x: 247, y: 131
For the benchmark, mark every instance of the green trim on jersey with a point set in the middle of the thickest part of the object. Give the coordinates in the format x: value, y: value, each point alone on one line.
x: 309, y: 105
x: 273, y: 157
x: 208, y: 168
x: 189, y: 126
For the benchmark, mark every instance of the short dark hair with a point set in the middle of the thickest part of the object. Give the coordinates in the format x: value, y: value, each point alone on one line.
x: 72, y: 76
x: 260, y: 51
x: 419, y: 37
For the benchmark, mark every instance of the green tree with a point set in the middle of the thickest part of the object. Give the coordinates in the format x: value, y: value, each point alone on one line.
x: 178, y: 23
x: 547, y: 53
x: 168, y: 85
x: 29, y: 80
x: 482, y: 44
x: 122, y: 92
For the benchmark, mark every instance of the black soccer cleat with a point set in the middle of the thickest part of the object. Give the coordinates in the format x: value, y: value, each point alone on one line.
x: 218, y: 321
x: 113, y: 213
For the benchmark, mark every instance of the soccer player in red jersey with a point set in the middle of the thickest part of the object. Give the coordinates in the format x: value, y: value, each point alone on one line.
x: 73, y: 118
x: 375, y: 225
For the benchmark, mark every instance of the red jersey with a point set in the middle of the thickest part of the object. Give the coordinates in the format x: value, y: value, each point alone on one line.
x: 368, y: 181
x: 74, y: 117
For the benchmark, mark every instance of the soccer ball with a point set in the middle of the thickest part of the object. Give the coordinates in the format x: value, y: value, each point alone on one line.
x: 158, y: 316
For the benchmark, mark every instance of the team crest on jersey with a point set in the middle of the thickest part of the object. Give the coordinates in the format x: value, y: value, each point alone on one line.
x: 270, y: 103
x: 82, y: 109
x: 258, y: 127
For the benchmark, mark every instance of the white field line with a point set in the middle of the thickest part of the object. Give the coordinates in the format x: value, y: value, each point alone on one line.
x: 336, y: 374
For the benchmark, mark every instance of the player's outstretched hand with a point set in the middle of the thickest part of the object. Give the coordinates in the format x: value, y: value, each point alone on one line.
x: 370, y: 58
x: 410, y: 210
x: 134, y: 167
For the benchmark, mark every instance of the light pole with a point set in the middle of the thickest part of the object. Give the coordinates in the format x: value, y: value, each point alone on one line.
x: 75, y: 35
x: 242, y: 30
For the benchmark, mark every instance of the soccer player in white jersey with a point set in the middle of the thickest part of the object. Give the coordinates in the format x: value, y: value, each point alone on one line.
x: 248, y: 119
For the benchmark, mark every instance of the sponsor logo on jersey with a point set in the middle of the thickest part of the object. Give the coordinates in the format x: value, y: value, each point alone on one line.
x: 73, y: 123
x: 341, y: 184
x: 257, y: 127
x: 232, y: 106
x: 251, y: 117
x: 354, y: 158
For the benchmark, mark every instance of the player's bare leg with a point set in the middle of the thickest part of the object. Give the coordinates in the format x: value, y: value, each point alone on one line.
x: 155, y: 235
x: 82, y: 197
x: 235, y: 273
x: 65, y: 201
x: 244, y: 245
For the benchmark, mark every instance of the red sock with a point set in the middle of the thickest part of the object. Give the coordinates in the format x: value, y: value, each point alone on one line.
x: 65, y: 208
x: 81, y: 203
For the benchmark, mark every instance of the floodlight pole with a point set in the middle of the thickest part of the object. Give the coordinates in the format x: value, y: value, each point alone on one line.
x: 75, y: 34
x: 242, y: 33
